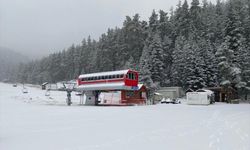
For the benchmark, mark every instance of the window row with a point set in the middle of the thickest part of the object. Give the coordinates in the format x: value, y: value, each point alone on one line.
x: 118, y: 76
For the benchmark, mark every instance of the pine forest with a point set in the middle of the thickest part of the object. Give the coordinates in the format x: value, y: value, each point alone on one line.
x: 196, y: 45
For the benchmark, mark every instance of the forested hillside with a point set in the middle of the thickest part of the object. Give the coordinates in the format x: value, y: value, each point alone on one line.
x: 196, y: 45
x: 9, y: 61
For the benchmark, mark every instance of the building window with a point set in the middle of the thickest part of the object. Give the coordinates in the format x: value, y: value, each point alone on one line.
x: 131, y: 76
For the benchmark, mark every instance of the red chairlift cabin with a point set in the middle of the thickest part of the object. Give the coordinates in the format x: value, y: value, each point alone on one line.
x: 95, y: 81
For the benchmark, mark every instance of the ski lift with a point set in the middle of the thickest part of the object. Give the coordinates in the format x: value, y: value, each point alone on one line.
x: 69, y: 87
x: 78, y: 94
x: 47, y: 93
x: 24, y: 90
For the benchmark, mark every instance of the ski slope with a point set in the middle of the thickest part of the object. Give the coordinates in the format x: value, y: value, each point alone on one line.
x: 34, y: 121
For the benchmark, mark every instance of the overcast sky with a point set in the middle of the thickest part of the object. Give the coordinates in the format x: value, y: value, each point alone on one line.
x: 39, y: 27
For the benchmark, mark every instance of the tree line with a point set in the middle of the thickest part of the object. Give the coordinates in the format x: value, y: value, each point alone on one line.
x: 194, y: 46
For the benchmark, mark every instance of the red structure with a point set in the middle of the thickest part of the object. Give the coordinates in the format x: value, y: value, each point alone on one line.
x: 127, y: 77
x: 134, y: 97
x: 123, y: 82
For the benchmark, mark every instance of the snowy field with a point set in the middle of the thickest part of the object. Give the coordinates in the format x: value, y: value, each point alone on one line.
x: 34, y: 121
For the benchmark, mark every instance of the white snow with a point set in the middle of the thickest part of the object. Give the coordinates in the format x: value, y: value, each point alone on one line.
x: 33, y: 121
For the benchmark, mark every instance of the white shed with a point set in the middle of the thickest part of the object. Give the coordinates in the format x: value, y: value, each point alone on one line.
x: 200, y: 97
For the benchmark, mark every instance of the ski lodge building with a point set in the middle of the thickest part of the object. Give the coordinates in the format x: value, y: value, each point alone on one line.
x: 112, y: 88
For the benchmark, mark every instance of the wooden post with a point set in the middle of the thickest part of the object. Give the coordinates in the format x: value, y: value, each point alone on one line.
x: 220, y: 96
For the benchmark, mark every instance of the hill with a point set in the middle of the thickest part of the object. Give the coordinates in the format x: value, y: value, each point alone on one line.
x: 9, y: 60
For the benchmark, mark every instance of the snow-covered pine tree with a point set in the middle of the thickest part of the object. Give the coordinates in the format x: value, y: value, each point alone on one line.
x: 133, y: 37
x: 167, y: 60
x: 246, y: 22
x: 178, y: 77
x: 209, y: 66
x: 165, y: 27
x: 229, y: 52
x: 184, y: 22
x: 230, y: 74
x: 244, y: 85
x: 195, y: 72
x: 180, y: 21
x: 219, y: 21
x: 104, y: 57
x: 156, y: 60
x: 77, y: 56
x: 153, y: 22
x: 196, y: 25
x: 208, y: 17
x: 145, y: 74
x: 191, y: 64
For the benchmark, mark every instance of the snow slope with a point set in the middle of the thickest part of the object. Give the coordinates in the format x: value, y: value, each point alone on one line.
x: 35, y: 122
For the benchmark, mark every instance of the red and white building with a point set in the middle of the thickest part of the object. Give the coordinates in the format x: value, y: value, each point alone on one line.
x: 112, y: 88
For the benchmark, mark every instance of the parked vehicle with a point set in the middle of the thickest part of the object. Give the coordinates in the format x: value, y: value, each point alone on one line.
x: 172, y: 101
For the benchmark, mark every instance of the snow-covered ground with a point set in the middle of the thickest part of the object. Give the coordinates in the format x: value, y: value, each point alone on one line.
x: 33, y: 121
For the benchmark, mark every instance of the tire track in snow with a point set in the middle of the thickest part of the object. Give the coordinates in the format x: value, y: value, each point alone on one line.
x: 224, y: 126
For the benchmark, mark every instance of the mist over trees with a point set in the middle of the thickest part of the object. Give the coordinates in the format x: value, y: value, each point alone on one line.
x: 194, y: 46
x: 9, y: 61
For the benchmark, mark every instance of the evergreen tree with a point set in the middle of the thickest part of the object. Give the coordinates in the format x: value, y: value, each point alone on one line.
x: 167, y: 60
x: 246, y: 22
x: 197, y: 46
x: 184, y: 22
x: 209, y: 66
x: 230, y: 74
x: 194, y: 68
x: 154, y: 22
x: 219, y: 23
x: 156, y: 49
x: 196, y: 20
x: 145, y: 67
x: 179, y: 62
x: 230, y: 51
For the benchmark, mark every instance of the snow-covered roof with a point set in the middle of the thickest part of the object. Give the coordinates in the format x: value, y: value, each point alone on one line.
x: 104, y: 73
x: 104, y: 86
x: 45, y: 83
x: 140, y: 86
x: 205, y: 90
x: 157, y: 93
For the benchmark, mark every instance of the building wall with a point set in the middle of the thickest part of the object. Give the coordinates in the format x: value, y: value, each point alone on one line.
x: 171, y: 92
x: 134, y: 97
x: 90, y: 98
